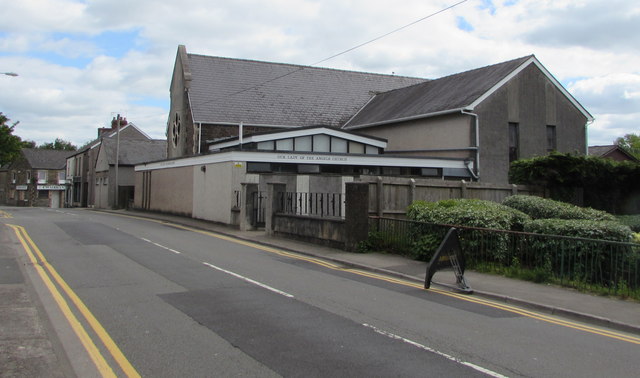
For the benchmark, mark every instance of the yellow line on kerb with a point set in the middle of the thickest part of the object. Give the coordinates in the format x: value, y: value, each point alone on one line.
x: 398, y: 281
x: 97, y: 358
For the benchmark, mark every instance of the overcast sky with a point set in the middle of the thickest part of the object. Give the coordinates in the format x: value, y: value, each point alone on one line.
x: 82, y: 62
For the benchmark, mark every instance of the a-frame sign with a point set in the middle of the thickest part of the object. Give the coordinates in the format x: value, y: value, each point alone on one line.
x: 448, y: 255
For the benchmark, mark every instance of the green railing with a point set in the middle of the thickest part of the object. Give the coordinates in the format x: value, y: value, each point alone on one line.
x: 604, y: 267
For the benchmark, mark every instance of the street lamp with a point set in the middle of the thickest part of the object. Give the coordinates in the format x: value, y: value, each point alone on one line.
x: 10, y: 74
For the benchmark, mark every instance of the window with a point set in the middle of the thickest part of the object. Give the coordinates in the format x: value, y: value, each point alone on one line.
x: 514, y: 144
x: 321, y: 143
x: 303, y: 143
x: 42, y: 177
x: 371, y: 150
x: 43, y: 194
x: 62, y: 177
x: 13, y: 177
x: 356, y: 148
x: 551, y: 138
x: 105, y: 181
x: 284, y: 144
x: 338, y: 145
x: 268, y: 145
x: 28, y: 177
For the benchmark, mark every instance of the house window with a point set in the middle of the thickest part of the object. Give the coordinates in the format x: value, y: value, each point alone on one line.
x: 28, y: 177
x: 105, y: 181
x: 551, y: 138
x: 42, y: 177
x: 62, y: 177
x: 13, y: 177
x: 514, y: 144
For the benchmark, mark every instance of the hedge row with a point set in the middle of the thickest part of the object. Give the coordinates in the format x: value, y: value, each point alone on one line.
x: 541, y: 208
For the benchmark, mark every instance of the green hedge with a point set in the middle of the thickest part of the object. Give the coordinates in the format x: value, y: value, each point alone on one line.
x: 460, y: 212
x: 581, y: 228
x: 541, y: 208
x: 468, y: 212
x: 633, y: 221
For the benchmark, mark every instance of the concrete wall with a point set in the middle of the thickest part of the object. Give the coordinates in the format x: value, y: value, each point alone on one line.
x: 417, y: 137
x: 171, y: 191
x: 212, y: 191
x: 533, y: 102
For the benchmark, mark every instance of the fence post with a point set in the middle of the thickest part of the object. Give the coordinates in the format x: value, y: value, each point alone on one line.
x: 379, y: 196
x: 246, y: 210
x: 412, y: 191
x: 463, y: 189
x: 356, y: 214
x: 514, y: 189
x: 274, y: 191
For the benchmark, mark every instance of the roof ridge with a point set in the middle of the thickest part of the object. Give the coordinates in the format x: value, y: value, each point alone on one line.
x: 302, y: 66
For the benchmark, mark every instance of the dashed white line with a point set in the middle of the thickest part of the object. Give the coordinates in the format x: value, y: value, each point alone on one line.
x: 488, y: 372
x: 249, y: 280
x: 162, y: 246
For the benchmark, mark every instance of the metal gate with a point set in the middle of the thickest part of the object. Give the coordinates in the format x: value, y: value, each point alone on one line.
x: 258, y: 208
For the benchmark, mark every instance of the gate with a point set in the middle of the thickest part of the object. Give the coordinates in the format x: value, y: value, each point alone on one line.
x: 258, y: 208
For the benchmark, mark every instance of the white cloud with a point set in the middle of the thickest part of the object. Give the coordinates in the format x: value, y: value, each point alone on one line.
x: 591, y: 45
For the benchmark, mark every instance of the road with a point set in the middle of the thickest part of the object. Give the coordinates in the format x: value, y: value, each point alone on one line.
x: 162, y: 300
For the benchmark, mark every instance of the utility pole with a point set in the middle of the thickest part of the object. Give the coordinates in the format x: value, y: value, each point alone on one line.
x: 117, y: 158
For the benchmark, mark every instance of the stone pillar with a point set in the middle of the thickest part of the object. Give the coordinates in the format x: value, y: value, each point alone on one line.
x: 246, y: 210
x: 357, y: 214
x: 412, y: 191
x: 275, y: 191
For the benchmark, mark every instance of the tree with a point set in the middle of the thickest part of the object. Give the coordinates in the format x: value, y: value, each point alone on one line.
x: 630, y: 143
x: 59, y: 144
x: 9, y: 144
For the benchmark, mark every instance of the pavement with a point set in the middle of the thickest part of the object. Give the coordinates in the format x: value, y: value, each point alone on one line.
x: 29, y: 347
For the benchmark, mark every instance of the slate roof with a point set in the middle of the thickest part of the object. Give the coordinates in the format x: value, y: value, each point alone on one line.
x: 448, y: 93
x: 46, y: 159
x: 135, y: 151
x: 225, y: 90
x: 604, y: 151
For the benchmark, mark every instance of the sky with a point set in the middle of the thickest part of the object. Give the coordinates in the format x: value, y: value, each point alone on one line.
x: 82, y: 62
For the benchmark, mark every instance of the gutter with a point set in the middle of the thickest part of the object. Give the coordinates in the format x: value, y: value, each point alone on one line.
x: 412, y: 118
x: 476, y: 174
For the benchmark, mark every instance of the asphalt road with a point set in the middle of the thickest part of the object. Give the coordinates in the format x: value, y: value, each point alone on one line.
x: 181, y: 302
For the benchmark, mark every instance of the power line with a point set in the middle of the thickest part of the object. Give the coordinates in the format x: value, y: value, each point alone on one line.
x: 300, y: 68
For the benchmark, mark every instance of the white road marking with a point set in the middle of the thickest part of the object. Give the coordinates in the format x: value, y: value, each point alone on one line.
x: 250, y: 280
x: 418, y: 345
x: 162, y: 246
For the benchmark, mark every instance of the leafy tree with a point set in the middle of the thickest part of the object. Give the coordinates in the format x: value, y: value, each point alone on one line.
x: 630, y: 143
x: 9, y: 144
x: 58, y: 144
x: 28, y: 144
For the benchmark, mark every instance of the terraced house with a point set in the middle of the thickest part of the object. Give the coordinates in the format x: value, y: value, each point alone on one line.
x: 37, y: 178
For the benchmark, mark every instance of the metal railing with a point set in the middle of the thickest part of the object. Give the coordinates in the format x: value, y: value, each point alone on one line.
x: 606, y: 267
x: 312, y: 204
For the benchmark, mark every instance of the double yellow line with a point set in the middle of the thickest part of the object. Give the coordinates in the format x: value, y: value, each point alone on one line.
x: 398, y: 281
x: 48, y: 277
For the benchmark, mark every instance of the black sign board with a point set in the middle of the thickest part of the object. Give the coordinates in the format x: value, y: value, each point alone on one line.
x: 448, y: 255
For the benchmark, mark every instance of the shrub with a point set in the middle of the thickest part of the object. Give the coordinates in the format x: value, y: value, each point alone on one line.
x: 581, y: 228
x: 468, y: 212
x: 461, y: 212
x: 633, y: 221
x: 541, y: 208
